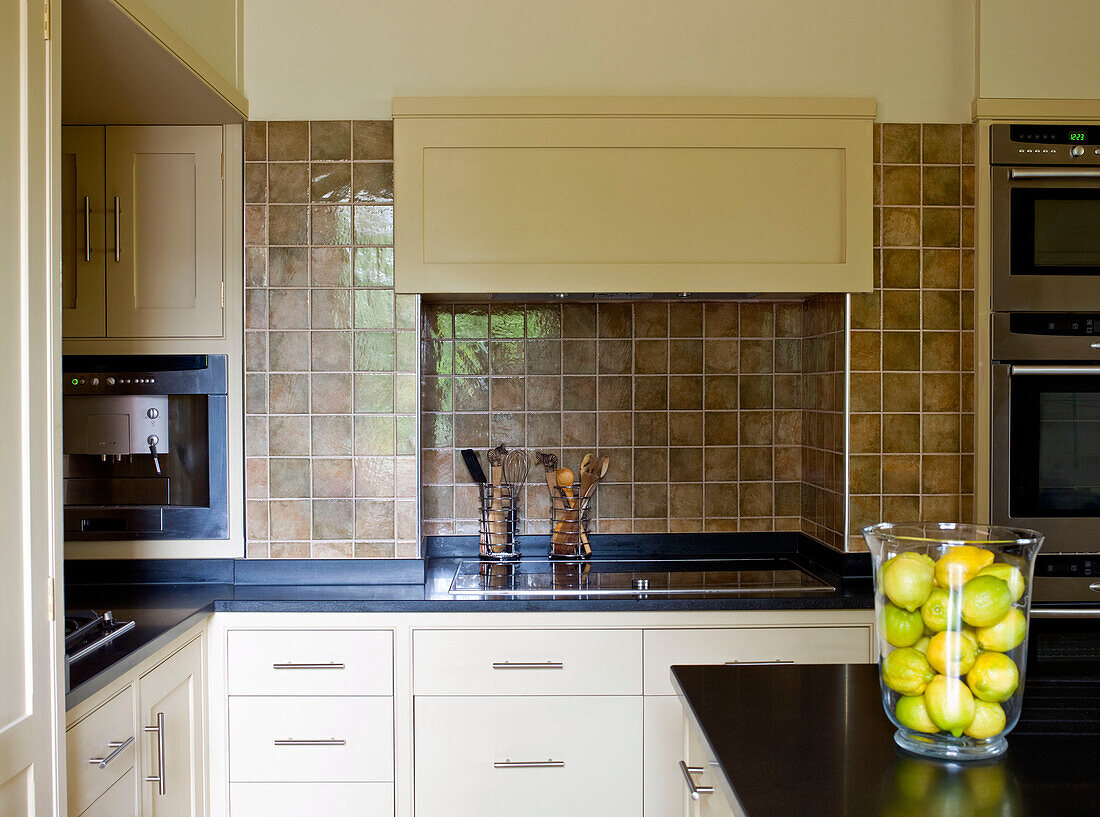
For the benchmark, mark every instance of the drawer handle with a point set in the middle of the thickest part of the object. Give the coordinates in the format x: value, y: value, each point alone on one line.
x: 761, y: 663
x: 119, y: 747
x: 528, y: 764
x: 314, y: 742
x: 292, y: 665
x: 696, y: 791
x: 528, y: 665
x: 158, y: 778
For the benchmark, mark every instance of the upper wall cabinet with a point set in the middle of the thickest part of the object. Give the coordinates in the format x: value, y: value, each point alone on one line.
x: 633, y: 195
x: 160, y: 62
x: 142, y: 232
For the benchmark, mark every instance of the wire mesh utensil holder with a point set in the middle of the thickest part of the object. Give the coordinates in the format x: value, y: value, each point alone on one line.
x: 569, y: 516
x: 499, y: 506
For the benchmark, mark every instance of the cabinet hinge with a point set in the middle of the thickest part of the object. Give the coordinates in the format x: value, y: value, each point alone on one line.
x: 45, y: 19
x: 49, y: 596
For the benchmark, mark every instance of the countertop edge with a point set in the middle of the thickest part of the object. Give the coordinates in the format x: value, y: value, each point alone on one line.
x: 128, y: 662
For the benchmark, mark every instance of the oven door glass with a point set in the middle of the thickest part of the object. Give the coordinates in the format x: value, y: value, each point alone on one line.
x: 1055, y: 445
x: 1055, y: 231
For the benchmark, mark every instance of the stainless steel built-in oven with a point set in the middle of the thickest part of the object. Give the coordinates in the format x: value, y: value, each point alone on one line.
x: 1045, y: 252
x: 1046, y: 427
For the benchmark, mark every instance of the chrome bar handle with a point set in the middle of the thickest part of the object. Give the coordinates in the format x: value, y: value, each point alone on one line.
x: 118, y: 230
x: 1054, y: 173
x: 696, y: 791
x: 528, y: 764
x: 294, y: 665
x: 1066, y: 612
x: 158, y: 778
x: 760, y: 663
x: 119, y: 747
x: 1018, y: 369
x: 87, y: 229
x: 311, y: 742
x: 528, y: 665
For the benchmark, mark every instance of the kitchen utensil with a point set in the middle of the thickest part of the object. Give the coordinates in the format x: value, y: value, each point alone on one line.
x: 565, y: 479
x: 496, y: 516
x: 593, y: 470
x: 473, y: 465
x: 515, y: 468
x: 550, y: 463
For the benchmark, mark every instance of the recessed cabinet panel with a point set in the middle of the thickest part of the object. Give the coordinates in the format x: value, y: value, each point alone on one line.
x: 118, y: 801
x: 83, y: 234
x: 633, y: 205
x: 702, y: 196
x: 107, y: 734
x: 164, y: 199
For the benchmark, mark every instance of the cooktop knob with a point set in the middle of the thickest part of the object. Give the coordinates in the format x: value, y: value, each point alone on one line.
x: 1076, y: 150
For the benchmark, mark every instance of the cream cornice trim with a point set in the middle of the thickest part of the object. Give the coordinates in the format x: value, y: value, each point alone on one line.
x: 619, y: 106
x: 1036, y: 109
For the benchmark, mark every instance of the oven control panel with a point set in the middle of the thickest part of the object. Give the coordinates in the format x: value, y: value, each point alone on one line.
x: 1054, y: 323
x: 1045, y: 144
x: 1068, y: 566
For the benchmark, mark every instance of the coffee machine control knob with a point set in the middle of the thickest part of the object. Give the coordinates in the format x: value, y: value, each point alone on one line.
x: 152, y: 414
x: 110, y: 381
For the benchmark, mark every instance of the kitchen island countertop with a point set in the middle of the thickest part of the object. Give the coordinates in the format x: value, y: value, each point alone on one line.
x: 814, y: 740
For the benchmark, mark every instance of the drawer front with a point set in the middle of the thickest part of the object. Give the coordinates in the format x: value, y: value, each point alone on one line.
x: 468, y: 756
x: 297, y: 799
x: 527, y: 662
x: 118, y: 801
x: 311, y: 739
x: 796, y: 645
x: 310, y: 662
x: 92, y: 737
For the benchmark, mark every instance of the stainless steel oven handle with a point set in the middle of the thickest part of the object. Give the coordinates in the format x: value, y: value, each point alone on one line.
x: 1065, y: 612
x: 1054, y: 173
x: 1014, y: 369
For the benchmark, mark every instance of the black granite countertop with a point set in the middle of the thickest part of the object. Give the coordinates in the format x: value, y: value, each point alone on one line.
x: 814, y: 740
x: 166, y: 597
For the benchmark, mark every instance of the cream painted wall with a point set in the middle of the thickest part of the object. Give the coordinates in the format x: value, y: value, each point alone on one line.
x: 1041, y: 50
x: 341, y: 59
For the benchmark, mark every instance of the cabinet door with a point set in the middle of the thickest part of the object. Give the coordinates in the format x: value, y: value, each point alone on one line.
x: 164, y: 194
x: 118, y: 801
x: 83, y: 233
x: 171, y: 706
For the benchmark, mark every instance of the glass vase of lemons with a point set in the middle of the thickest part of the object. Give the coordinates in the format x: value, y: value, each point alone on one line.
x: 951, y: 606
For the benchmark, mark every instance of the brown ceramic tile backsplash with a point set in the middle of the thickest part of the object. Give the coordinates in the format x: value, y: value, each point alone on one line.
x: 331, y: 352
x: 912, y: 380
x: 699, y: 406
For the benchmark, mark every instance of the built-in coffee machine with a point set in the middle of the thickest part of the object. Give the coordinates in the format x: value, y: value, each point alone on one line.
x: 145, y: 443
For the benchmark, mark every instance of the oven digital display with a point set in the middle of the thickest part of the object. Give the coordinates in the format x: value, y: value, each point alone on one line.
x: 1053, y: 134
x: 1078, y: 136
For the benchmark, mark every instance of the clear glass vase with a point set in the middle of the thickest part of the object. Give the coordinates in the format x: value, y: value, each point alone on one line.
x: 951, y: 609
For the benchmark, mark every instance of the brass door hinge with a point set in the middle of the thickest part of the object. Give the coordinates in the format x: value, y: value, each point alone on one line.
x: 49, y: 596
x: 45, y: 19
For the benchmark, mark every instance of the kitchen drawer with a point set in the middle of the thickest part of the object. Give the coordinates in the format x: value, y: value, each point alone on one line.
x: 527, y: 662
x: 310, y: 662
x: 592, y: 746
x: 796, y: 645
x: 297, y: 799
x: 113, y: 722
x: 118, y: 801
x: 361, y: 731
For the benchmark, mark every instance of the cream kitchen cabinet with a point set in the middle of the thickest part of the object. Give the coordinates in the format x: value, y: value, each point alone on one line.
x: 172, y: 709
x: 150, y: 723
x: 634, y: 195
x: 142, y: 232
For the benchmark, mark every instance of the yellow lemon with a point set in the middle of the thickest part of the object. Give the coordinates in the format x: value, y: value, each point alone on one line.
x: 906, y: 670
x: 956, y: 567
x: 985, y: 600
x: 950, y: 704
x: 994, y: 677
x: 1010, y: 575
x: 907, y: 580
x: 942, y: 611
x: 1007, y: 634
x: 913, y: 714
x: 951, y: 653
x: 922, y: 644
x: 989, y: 720
x: 901, y: 628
